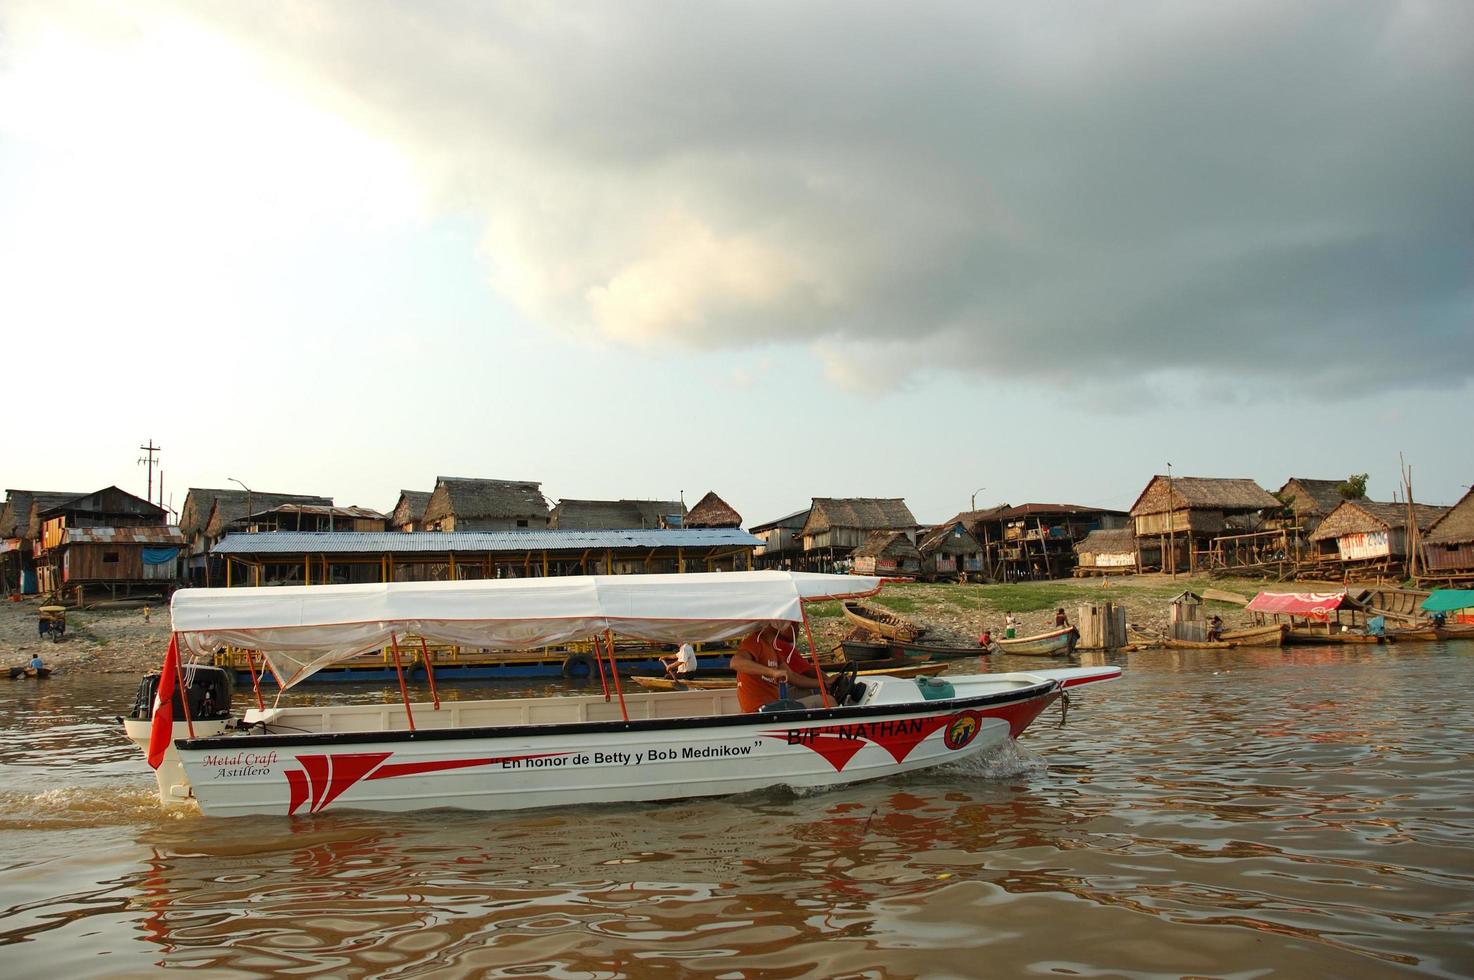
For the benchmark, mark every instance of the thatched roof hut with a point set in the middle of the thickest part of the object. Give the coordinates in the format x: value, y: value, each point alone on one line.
x: 469, y: 504
x: 1114, y: 548
x: 843, y: 523
x: 1312, y: 499
x: 952, y: 538
x: 615, y: 515
x: 409, y: 510
x: 1449, y: 543
x: 887, y: 553
x: 713, y: 511
x: 199, y: 504
x: 20, y: 517
x: 1371, y: 530
x: 1199, y: 493
x: 232, y: 506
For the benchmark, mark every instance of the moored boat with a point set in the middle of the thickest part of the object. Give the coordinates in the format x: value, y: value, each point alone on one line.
x: 1272, y: 635
x: 938, y: 651
x: 1055, y: 643
x: 1319, y: 636
x: 551, y: 751
x: 881, y: 622
x: 1173, y: 643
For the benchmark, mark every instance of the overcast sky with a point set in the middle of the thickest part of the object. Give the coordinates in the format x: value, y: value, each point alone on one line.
x: 1025, y: 251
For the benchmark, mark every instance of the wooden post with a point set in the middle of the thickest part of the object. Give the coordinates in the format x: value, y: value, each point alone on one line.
x: 403, y: 690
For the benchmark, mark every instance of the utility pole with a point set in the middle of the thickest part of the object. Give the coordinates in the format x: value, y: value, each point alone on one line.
x: 150, y: 449
x: 1171, y: 538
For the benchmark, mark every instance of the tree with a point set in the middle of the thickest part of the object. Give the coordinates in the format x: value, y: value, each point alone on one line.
x: 1354, y: 487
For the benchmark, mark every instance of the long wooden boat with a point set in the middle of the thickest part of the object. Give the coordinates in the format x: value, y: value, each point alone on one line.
x: 1055, y: 643
x: 507, y: 754
x: 881, y: 622
x: 1316, y: 636
x: 1173, y: 643
x: 721, y: 683
x: 938, y: 651
x: 860, y: 651
x: 34, y: 673
x: 1272, y: 635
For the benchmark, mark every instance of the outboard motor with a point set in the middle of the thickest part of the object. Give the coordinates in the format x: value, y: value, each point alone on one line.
x: 208, y: 688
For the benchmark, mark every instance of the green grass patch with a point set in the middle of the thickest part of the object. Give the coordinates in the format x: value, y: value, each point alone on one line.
x: 897, y: 603
x: 823, y: 610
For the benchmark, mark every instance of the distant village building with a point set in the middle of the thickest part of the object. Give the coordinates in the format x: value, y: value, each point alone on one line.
x: 314, y: 517
x: 949, y: 551
x: 1107, y: 552
x: 836, y: 526
x: 781, y: 546
x: 20, y: 529
x: 107, y: 541
x: 466, y: 504
x: 409, y: 511
x: 605, y: 515
x: 1185, y: 513
x: 1372, y: 537
x: 209, y: 514
x: 1449, y: 543
x: 713, y: 511
x: 889, y: 554
x: 1308, y: 502
x: 1034, y: 540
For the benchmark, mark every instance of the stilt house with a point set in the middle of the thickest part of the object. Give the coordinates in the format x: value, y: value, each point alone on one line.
x: 781, y: 546
x: 20, y: 528
x: 1449, y: 543
x: 1185, y: 513
x: 109, y: 541
x: 836, y: 526
x: 1371, y: 538
x: 950, y: 551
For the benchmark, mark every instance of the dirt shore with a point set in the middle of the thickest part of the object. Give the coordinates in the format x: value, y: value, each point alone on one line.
x: 132, y: 641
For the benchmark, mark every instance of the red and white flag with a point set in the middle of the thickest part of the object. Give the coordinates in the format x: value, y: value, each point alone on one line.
x: 161, y: 732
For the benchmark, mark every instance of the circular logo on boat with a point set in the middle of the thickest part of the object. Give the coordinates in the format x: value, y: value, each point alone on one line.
x: 964, y: 727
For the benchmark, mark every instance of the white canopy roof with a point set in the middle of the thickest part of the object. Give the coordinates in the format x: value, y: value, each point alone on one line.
x: 300, y: 629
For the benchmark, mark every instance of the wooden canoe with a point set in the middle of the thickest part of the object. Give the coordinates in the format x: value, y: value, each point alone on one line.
x: 1272, y: 635
x: 1319, y: 637
x: 1055, y: 643
x: 719, y: 683
x: 881, y: 622
x: 17, y: 673
x: 1172, y: 643
x: 935, y: 651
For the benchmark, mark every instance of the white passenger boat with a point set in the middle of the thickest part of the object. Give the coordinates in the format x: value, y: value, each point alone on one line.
x: 539, y: 752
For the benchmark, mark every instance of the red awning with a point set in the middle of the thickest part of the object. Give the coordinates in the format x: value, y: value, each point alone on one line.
x: 1297, y: 603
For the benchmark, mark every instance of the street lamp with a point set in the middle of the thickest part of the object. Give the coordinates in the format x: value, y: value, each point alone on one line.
x: 975, y: 497
x: 248, y: 495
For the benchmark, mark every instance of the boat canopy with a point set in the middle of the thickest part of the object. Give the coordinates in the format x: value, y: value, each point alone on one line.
x: 303, y: 628
x: 1298, y: 603
x: 1447, y: 600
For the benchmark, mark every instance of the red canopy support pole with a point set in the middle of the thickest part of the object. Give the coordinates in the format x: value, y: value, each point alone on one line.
x: 618, y: 689
x: 255, y: 681
x: 183, y: 696
x: 430, y: 672
x: 599, y: 660
x: 403, y: 691
x: 814, y: 655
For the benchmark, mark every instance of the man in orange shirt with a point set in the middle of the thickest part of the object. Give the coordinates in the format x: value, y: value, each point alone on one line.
x: 763, y: 661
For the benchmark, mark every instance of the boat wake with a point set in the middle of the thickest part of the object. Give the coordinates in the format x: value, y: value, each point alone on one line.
x: 62, y: 808
x: 1005, y: 762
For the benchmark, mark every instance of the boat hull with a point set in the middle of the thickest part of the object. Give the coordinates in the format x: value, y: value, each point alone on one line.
x: 880, y: 622
x: 1318, y: 638
x: 1056, y: 643
x: 719, y: 683
x: 1257, y: 636
x: 648, y: 758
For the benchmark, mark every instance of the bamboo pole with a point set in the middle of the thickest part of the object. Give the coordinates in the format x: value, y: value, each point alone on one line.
x: 255, y: 681
x: 614, y: 669
x: 403, y: 690
x: 430, y: 672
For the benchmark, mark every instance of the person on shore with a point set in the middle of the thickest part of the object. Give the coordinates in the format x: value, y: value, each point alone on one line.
x: 1060, y: 619
x: 766, y: 659
x: 1010, y: 625
x: 683, y: 664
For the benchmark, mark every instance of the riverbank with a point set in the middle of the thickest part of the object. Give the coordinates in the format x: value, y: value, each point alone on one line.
x: 132, y: 641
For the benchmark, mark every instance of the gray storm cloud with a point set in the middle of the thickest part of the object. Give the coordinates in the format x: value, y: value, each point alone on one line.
x: 1151, y: 186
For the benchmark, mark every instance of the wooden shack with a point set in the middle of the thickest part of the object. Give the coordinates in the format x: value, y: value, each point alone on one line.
x: 1448, y: 547
x: 1186, y: 621
x: 1107, y: 552
x: 836, y: 526
x: 210, y: 513
x: 314, y: 517
x: 949, y: 551
x: 1371, y: 537
x: 712, y: 511
x: 889, y: 554
x: 1185, y: 514
x: 109, y: 539
x: 781, y: 546
x: 20, y: 526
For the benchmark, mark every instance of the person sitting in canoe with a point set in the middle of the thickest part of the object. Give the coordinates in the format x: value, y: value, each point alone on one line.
x: 766, y: 659
x: 1215, y: 628
x: 683, y: 664
x: 1060, y: 619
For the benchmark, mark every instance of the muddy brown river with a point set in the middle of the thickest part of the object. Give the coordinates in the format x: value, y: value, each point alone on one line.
x: 1255, y: 813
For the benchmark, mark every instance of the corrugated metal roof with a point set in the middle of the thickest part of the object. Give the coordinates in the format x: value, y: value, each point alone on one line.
x: 465, y: 542
x: 123, y: 535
